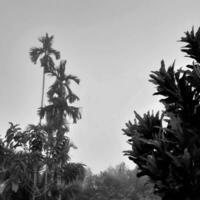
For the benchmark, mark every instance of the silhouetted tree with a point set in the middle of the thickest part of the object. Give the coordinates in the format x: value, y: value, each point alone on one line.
x: 166, y: 147
x: 57, y: 115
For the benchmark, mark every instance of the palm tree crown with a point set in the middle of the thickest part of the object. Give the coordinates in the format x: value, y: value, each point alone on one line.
x: 45, y: 52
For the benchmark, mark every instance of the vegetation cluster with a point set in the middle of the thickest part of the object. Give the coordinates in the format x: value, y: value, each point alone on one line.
x: 35, y: 162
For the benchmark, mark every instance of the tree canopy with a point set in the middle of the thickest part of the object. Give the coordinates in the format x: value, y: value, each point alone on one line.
x: 166, y: 145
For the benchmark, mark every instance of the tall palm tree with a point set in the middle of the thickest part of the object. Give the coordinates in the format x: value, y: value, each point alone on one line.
x: 60, y: 97
x: 57, y: 113
x: 44, y: 53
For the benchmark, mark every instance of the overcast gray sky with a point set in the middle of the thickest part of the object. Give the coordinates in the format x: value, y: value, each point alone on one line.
x: 112, y: 45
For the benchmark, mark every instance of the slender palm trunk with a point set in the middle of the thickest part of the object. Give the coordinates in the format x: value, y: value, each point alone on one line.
x: 59, y: 163
x: 35, y: 167
x: 45, y: 184
x: 59, y: 181
x: 46, y: 175
x: 42, y: 104
x: 43, y: 86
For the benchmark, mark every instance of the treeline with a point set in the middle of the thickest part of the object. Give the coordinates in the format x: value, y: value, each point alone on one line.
x: 116, y: 183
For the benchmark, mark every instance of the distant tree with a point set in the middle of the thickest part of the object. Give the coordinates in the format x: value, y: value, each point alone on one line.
x: 118, y: 183
x: 166, y: 146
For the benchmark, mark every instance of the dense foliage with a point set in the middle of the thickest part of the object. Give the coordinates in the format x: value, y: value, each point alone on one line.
x: 166, y: 146
x: 35, y: 162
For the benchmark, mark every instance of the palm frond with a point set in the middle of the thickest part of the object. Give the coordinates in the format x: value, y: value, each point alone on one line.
x: 46, y: 41
x: 61, y: 70
x: 57, y: 89
x: 73, y: 112
x: 71, y: 96
x: 48, y: 64
x: 35, y: 53
x: 70, y: 77
x: 41, y: 112
x: 55, y: 53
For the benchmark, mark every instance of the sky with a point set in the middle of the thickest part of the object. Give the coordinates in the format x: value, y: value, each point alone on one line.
x: 111, y: 45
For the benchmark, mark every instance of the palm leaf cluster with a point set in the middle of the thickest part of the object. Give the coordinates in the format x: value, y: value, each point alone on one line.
x: 166, y: 147
x: 45, y: 52
x: 35, y: 162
